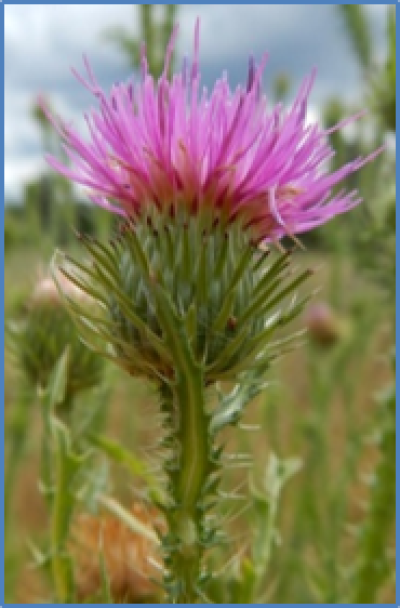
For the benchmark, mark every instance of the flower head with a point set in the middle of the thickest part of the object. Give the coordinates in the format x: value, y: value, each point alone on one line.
x: 131, y: 561
x: 47, y: 329
x: 170, y: 144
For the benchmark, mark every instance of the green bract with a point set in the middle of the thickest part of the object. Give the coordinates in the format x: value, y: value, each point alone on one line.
x: 184, y: 277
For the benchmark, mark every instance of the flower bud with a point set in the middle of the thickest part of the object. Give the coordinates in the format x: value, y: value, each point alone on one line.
x: 173, y: 288
x: 47, y: 330
x: 323, y: 325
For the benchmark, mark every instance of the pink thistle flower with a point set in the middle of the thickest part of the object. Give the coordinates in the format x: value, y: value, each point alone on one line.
x: 168, y: 144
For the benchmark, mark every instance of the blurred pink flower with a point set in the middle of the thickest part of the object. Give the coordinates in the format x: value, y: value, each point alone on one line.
x: 168, y: 144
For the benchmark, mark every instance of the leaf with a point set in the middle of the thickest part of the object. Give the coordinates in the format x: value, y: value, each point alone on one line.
x: 231, y: 405
x: 53, y: 395
x: 128, y: 518
x: 119, y: 454
x: 58, y: 381
x: 266, y: 504
x: 67, y: 466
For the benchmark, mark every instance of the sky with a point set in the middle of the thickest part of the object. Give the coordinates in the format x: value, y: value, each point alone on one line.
x: 42, y: 43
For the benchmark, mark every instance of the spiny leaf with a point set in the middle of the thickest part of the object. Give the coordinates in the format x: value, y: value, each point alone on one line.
x: 233, y: 404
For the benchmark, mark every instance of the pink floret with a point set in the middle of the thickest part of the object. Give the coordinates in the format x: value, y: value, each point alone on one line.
x: 168, y: 144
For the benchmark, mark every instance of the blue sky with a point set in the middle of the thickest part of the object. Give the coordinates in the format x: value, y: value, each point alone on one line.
x: 42, y: 42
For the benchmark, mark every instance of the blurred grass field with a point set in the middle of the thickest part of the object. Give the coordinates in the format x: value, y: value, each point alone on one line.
x: 320, y: 407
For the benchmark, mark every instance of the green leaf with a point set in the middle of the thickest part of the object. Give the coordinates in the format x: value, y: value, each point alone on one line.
x: 53, y: 395
x: 67, y: 465
x: 231, y: 405
x: 266, y: 504
x: 120, y: 455
x: 128, y: 518
x: 58, y: 381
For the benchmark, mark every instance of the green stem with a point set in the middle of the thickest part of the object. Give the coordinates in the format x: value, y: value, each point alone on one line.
x: 188, y: 472
x: 63, y: 504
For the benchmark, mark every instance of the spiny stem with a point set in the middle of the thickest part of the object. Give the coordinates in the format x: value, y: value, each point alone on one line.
x: 193, y: 438
x: 188, y: 471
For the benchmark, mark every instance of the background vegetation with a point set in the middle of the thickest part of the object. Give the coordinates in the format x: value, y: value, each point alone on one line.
x: 330, y: 404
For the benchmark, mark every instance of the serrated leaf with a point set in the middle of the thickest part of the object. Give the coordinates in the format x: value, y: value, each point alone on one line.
x: 266, y: 503
x: 233, y: 404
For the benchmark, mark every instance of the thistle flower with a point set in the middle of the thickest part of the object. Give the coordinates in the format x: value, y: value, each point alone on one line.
x: 171, y: 145
x: 131, y: 563
x: 187, y: 298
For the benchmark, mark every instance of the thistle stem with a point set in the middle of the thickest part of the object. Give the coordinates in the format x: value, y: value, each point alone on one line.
x: 60, y: 516
x: 188, y: 471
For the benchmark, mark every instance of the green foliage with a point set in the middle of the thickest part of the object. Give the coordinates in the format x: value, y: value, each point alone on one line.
x: 60, y: 476
x: 65, y: 460
x: 188, y: 301
x: 383, y: 93
x: 245, y: 579
x: 374, y: 537
x: 364, y: 233
x: 358, y: 28
x: 117, y: 453
x: 266, y: 505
